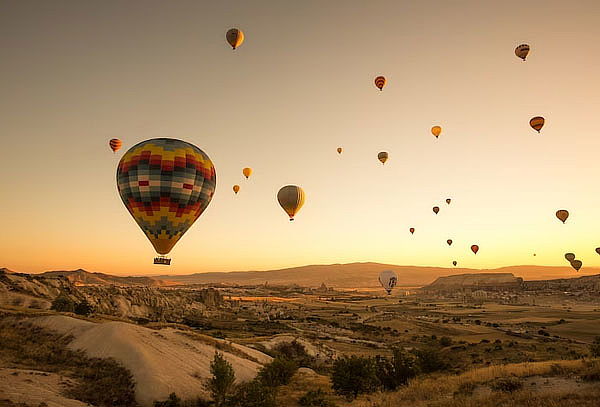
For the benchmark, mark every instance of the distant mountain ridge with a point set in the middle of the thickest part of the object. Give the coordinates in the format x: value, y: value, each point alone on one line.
x: 479, y: 280
x: 83, y: 277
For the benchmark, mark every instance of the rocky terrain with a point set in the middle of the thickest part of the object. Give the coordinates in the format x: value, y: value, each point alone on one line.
x: 495, y: 281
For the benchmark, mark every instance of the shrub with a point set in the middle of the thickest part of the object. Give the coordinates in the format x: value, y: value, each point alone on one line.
x: 591, y: 373
x: 429, y: 360
x: 314, y: 398
x: 172, y: 401
x: 295, y: 351
x: 278, y: 372
x: 354, y: 375
x: 445, y: 341
x: 83, y: 308
x: 63, y: 303
x: 253, y: 394
x: 595, y: 347
x: 221, y: 383
x: 397, y: 371
x: 507, y: 384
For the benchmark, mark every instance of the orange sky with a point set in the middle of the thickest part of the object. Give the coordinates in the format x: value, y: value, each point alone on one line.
x: 75, y: 74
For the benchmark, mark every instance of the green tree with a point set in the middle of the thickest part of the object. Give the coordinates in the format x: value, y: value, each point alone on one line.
x: 63, y: 303
x: 253, y: 394
x: 220, y: 385
x: 595, y: 347
x: 278, y: 372
x: 354, y: 375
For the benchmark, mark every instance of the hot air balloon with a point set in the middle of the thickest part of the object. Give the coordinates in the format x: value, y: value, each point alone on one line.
x: 339, y: 150
x: 388, y: 280
x: 448, y: 201
x: 521, y: 51
x: 235, y: 37
x: 436, y: 209
x: 236, y: 188
x: 475, y: 248
x: 115, y: 144
x: 411, y: 230
x: 380, y: 82
x: 562, y: 214
x: 165, y: 185
x: 576, y: 264
x: 291, y: 199
x: 570, y: 257
x: 382, y: 156
x: 537, y: 123
x: 454, y: 263
x: 534, y: 254
x: 598, y: 250
x: 247, y: 172
x: 449, y: 241
x: 436, y: 131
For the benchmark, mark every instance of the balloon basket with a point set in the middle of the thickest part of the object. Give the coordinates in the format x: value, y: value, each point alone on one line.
x: 162, y: 261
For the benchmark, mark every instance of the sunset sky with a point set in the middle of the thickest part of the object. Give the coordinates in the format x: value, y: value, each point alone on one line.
x: 74, y: 74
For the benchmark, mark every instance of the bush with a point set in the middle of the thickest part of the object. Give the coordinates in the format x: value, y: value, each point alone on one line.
x: 445, y: 341
x: 354, y: 375
x: 429, y: 360
x: 172, y: 401
x: 221, y: 383
x: 253, y: 394
x: 591, y: 373
x: 507, y: 384
x: 294, y: 351
x: 83, y: 308
x: 595, y: 347
x: 278, y: 372
x: 314, y: 398
x: 63, y: 303
x: 397, y: 371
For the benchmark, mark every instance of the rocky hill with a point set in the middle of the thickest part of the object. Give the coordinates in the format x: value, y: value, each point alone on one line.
x: 82, y: 277
x: 489, y: 281
x: 566, y: 284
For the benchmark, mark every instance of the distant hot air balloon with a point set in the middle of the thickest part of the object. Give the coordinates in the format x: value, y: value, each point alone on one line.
x: 598, y: 250
x: 576, y: 264
x: 388, y: 280
x: 247, y: 172
x: 165, y: 185
x: 448, y: 201
x: 236, y: 188
x: 380, y: 82
x: 339, y: 150
x: 235, y: 37
x: 411, y: 230
x: 449, y: 241
x: 570, y: 257
x: 436, y: 209
x: 454, y: 263
x: 521, y: 51
x: 475, y: 248
x: 115, y: 144
x: 291, y: 199
x: 382, y: 156
x: 534, y: 254
x: 562, y: 214
x: 537, y: 123
x: 436, y: 131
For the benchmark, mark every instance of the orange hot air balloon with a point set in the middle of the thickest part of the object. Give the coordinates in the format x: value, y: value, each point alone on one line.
x: 339, y: 150
x: 383, y: 157
x: 537, y: 123
x: 562, y: 214
x: 115, y: 144
x: 570, y: 257
x: 236, y: 189
x: 475, y: 248
x: 448, y: 201
x: 576, y: 264
x: 247, y: 172
x: 449, y: 241
x: 598, y: 250
x: 436, y: 131
x: 436, y: 209
x: 235, y: 37
x: 411, y: 230
x: 291, y: 198
x: 454, y: 263
x: 380, y: 82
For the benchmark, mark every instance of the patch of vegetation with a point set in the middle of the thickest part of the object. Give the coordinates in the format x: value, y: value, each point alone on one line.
x: 397, y: 371
x: 277, y: 373
x: 507, y: 384
x: 220, y: 385
x: 315, y: 398
x: 354, y: 375
x: 591, y: 371
x: 253, y: 394
x: 595, y: 347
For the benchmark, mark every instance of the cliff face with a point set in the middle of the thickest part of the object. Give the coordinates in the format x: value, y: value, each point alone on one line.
x: 585, y: 283
x: 490, y: 281
x: 152, y: 303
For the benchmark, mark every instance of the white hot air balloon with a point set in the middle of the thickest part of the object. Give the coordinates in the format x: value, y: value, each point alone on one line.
x: 388, y: 280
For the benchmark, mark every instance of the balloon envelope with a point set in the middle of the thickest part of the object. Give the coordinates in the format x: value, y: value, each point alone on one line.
x: 537, y: 123
x: 236, y: 188
x: 576, y: 264
x: 448, y: 201
x: 436, y: 131
x: 411, y: 230
x: 247, y: 172
x: 570, y: 257
x: 562, y: 215
x: 454, y: 263
x: 380, y: 82
x: 475, y: 248
x: 382, y: 156
x: 235, y: 37
x: 436, y: 209
x: 388, y: 280
x: 339, y: 150
x: 115, y: 144
x: 165, y: 185
x: 449, y: 241
x: 291, y: 199
x: 521, y: 51
x: 598, y: 250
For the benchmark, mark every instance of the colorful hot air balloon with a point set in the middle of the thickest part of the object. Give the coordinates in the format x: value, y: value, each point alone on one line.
x: 115, y: 144
x: 570, y: 257
x: 380, y: 82
x: 236, y: 189
x: 165, y: 185
x: 475, y: 248
x: 449, y: 241
x: 576, y: 264
x: 436, y: 209
x: 235, y: 37
x: 291, y: 199
x: 247, y: 172
x: 454, y: 263
x: 562, y: 214
x: 537, y: 123
x: 382, y: 156
x: 339, y: 150
x: 448, y: 200
x: 436, y: 131
x: 521, y: 51
x: 411, y: 230
x: 388, y: 280
x: 598, y: 250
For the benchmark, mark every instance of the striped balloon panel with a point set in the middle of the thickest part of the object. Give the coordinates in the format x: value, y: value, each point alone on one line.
x: 380, y: 82
x: 537, y: 123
